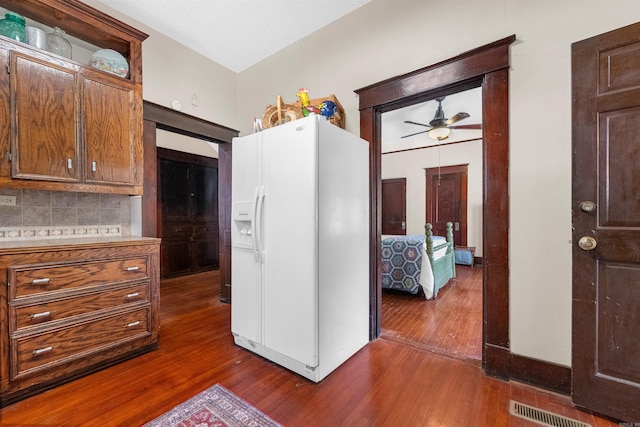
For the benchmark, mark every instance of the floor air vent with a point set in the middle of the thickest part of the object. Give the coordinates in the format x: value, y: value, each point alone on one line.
x: 544, y: 418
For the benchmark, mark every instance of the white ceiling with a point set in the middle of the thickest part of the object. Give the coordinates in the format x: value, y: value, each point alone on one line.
x: 235, y: 33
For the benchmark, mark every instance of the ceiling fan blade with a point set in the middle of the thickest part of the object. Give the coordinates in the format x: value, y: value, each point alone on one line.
x: 416, y: 123
x: 474, y: 126
x: 417, y: 133
x: 456, y: 118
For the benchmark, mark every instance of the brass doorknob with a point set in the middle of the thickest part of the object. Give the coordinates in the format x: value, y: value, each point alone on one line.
x: 587, y: 206
x: 587, y: 243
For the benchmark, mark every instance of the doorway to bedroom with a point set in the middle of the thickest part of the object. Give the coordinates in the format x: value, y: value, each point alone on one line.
x: 434, y: 192
x: 487, y: 67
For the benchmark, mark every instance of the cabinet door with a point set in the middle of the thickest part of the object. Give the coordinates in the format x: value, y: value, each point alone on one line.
x: 175, y: 191
x: 205, y: 201
x: 44, y: 112
x: 205, y: 193
x: 189, y: 216
x: 110, y: 130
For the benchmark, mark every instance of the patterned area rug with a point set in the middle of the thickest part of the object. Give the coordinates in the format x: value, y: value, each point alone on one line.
x: 214, y: 407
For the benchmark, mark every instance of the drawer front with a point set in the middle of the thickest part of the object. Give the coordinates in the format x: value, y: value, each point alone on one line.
x: 38, y: 352
x: 34, y: 279
x: 36, y: 314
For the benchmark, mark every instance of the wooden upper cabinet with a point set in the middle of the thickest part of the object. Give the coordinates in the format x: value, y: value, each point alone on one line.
x: 67, y: 126
x: 45, y: 102
x: 112, y: 127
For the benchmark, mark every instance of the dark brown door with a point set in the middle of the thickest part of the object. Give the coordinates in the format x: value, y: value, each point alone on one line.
x: 177, y: 224
x: 606, y: 223
x: 189, y: 206
x: 447, y: 201
x: 224, y: 213
x: 394, y: 206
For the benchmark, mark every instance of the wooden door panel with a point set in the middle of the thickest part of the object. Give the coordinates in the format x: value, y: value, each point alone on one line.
x: 205, y: 182
x: 174, y: 188
x: 446, y: 207
x: 44, y: 100
x: 447, y: 201
x: 618, y: 311
x: 175, y: 258
x: 618, y: 68
x: 206, y: 255
x: 606, y: 279
x: 394, y: 206
x: 619, y: 185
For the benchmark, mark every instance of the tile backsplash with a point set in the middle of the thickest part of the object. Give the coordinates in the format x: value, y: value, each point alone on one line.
x: 41, y: 214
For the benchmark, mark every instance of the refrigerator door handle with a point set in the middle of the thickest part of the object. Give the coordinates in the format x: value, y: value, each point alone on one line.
x: 258, y: 219
x: 254, y: 221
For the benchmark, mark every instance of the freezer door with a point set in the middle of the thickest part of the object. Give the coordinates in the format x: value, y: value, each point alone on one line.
x: 245, y: 266
x: 289, y: 240
x: 245, y: 295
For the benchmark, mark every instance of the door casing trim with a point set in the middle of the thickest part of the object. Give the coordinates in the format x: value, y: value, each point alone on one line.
x: 488, y: 67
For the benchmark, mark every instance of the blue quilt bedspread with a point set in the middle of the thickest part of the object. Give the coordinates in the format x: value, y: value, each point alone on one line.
x: 401, y: 262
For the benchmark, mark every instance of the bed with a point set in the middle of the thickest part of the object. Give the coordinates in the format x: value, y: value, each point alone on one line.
x: 415, y: 262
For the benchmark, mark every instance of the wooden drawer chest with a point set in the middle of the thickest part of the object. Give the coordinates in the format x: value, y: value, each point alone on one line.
x: 70, y: 307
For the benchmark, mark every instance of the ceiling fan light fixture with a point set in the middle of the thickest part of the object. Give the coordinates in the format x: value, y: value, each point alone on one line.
x: 439, y: 133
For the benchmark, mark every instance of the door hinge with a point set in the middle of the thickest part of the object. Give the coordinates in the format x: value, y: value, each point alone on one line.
x: 9, y: 156
x: 8, y: 69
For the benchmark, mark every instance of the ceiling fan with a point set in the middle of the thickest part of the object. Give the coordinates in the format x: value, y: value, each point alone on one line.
x: 440, y: 127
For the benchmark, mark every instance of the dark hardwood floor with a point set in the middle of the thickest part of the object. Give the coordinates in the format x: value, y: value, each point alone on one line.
x: 387, y: 383
x: 451, y: 324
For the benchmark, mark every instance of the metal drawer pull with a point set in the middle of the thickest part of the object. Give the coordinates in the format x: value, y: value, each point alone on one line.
x: 132, y: 269
x: 39, y: 315
x: 42, y: 350
x: 133, y: 295
x: 40, y: 281
x: 132, y: 324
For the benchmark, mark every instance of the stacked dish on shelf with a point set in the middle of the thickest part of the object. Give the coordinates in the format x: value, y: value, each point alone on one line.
x: 110, y: 61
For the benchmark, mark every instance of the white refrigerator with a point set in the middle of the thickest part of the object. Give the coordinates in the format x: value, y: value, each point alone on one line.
x: 300, y: 245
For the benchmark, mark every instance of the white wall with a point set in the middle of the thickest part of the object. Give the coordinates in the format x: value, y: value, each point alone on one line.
x: 387, y: 38
x: 187, y: 144
x: 411, y: 165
